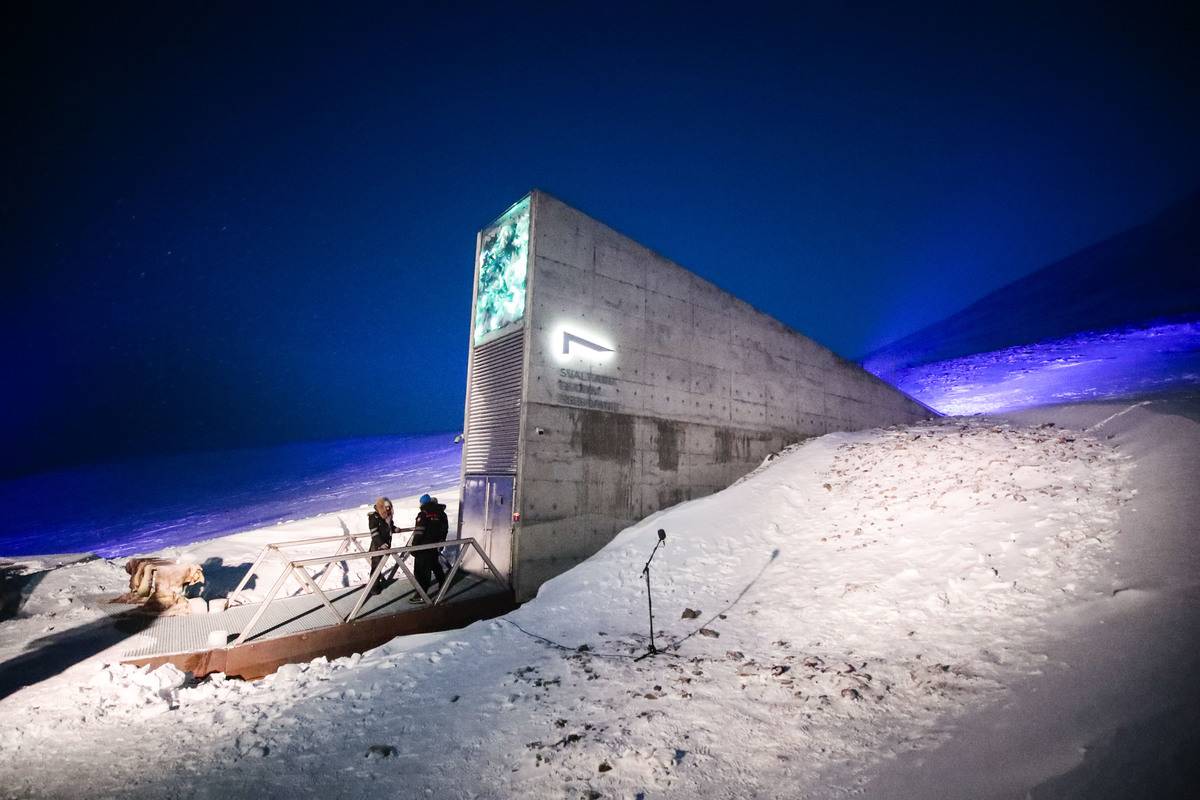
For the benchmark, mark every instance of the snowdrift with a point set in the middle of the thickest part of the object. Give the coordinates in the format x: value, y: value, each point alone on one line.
x: 856, y: 595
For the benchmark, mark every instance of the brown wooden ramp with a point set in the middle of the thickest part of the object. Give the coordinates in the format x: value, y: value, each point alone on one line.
x: 302, y: 628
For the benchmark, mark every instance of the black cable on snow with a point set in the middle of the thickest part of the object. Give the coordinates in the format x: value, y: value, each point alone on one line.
x: 559, y: 645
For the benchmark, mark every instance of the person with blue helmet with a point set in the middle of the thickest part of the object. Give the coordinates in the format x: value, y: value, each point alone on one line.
x: 432, y: 526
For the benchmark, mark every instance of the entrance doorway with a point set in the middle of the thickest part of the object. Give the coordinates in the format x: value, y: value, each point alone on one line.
x: 485, y: 514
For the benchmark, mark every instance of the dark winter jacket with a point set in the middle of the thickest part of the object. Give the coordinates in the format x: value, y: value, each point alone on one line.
x: 381, y: 530
x: 433, y: 523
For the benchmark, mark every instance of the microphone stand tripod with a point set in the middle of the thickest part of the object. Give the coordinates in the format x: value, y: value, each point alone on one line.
x: 662, y: 540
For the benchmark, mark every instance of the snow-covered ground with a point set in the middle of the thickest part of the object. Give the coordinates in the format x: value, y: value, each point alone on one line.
x: 956, y: 609
x: 58, y: 618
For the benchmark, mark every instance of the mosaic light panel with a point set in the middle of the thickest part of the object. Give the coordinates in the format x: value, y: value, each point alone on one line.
x: 503, y: 266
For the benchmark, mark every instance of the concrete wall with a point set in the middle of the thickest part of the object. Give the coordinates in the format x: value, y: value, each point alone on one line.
x: 699, y: 388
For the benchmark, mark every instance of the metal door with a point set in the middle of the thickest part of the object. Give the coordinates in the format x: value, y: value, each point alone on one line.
x: 486, y: 515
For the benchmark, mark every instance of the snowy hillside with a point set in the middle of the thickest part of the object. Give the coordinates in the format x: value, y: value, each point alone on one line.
x: 1115, y: 320
x: 861, y: 600
x: 1093, y: 365
x: 1146, y: 274
x: 135, y: 506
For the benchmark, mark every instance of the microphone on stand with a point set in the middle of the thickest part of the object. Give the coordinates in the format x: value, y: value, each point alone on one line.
x: 662, y: 541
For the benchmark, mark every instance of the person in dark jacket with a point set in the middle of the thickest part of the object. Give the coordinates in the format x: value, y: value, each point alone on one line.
x: 382, y: 529
x: 432, y: 526
x: 444, y: 521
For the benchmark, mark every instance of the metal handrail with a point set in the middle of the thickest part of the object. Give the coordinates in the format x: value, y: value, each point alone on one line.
x: 347, y: 540
x: 297, y: 568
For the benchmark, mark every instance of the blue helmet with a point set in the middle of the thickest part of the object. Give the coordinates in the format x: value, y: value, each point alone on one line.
x: 425, y: 499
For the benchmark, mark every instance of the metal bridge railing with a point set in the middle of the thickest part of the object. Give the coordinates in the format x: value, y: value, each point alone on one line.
x: 298, y: 568
x: 347, y: 542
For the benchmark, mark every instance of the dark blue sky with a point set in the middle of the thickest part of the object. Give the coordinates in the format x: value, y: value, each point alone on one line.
x: 234, y: 225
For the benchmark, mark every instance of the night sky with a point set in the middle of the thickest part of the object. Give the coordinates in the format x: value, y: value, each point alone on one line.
x: 236, y: 225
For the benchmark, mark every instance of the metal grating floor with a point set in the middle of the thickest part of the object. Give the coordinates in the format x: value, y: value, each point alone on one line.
x: 287, y: 616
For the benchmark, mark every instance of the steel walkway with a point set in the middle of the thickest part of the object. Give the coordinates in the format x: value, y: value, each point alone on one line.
x: 288, y: 616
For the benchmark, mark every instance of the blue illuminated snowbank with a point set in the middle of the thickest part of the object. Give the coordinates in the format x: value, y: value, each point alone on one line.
x: 143, y: 505
x: 1085, y: 366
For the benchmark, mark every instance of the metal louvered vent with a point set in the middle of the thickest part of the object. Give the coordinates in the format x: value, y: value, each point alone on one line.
x: 494, y: 407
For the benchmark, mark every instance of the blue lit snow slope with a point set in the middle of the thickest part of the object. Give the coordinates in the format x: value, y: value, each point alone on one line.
x: 1094, y: 365
x: 142, y: 505
x: 1118, y: 319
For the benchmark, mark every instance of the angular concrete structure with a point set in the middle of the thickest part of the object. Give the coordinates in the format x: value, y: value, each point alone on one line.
x: 607, y: 382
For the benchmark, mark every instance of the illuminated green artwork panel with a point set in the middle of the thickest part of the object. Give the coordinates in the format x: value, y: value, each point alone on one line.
x: 503, y: 265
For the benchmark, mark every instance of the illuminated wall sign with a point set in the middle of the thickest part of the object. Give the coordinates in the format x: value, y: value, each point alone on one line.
x: 575, y: 343
x: 570, y: 339
x: 579, y: 350
x: 503, y: 265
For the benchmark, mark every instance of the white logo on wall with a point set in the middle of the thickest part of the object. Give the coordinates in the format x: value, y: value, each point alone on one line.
x: 569, y: 339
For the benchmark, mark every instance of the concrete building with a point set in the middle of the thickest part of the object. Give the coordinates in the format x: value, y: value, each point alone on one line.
x: 606, y: 382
